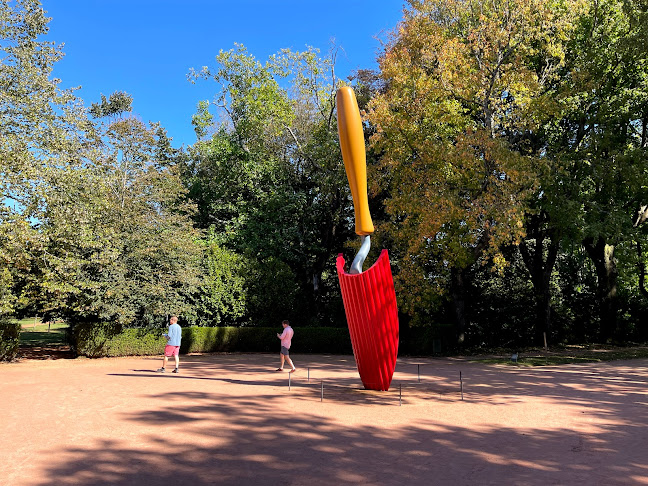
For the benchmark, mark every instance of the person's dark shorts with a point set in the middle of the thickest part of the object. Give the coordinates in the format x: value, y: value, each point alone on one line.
x: 285, y: 351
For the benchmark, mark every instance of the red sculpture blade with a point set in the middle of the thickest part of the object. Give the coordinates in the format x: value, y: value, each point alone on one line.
x: 370, y: 307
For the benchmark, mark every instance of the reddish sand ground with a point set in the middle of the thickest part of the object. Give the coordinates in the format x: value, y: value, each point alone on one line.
x: 231, y: 419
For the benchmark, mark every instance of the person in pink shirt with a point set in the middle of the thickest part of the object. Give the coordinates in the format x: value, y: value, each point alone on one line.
x: 286, y: 338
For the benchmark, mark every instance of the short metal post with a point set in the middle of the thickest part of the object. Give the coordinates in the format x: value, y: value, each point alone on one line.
x: 544, y: 335
x: 461, y: 383
x: 289, y: 375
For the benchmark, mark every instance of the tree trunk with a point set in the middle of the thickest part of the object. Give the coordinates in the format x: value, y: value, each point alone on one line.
x: 602, y: 255
x: 540, y: 268
x: 641, y: 267
x: 316, y: 295
x: 640, y: 219
x: 458, y: 292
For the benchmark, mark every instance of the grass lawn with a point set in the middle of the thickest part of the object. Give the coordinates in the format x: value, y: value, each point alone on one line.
x: 569, y: 355
x: 42, y: 334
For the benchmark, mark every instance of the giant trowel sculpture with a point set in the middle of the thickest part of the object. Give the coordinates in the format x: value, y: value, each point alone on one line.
x: 369, y: 297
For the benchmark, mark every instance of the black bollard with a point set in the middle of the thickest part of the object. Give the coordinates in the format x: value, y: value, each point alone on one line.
x: 461, y: 385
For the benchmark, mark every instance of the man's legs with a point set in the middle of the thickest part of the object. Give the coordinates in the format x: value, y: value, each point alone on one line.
x: 289, y: 362
x: 282, y: 361
x: 164, y: 363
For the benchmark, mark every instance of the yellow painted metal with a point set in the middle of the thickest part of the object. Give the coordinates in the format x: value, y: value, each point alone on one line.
x: 355, y: 160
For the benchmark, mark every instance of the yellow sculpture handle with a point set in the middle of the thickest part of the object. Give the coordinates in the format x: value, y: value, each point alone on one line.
x: 355, y: 160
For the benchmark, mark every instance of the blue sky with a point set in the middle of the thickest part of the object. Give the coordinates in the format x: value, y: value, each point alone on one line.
x: 146, y: 47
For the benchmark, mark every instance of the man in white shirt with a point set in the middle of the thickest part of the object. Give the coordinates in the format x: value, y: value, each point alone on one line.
x: 286, y: 338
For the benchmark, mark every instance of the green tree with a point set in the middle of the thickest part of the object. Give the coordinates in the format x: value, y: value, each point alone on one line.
x: 269, y: 176
x: 463, y: 93
x: 43, y: 129
x: 120, y: 242
x: 599, y: 143
x: 222, y: 296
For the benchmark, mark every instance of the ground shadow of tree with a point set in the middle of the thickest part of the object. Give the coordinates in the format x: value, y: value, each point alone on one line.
x: 256, y: 441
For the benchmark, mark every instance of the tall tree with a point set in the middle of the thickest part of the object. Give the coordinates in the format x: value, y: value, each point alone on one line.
x: 466, y: 83
x: 120, y: 242
x: 539, y: 249
x: 43, y: 129
x: 268, y: 174
x: 599, y: 140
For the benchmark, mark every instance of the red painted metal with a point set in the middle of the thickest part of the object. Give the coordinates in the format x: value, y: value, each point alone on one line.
x: 370, y: 306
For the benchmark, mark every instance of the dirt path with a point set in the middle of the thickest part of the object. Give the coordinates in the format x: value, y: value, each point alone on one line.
x: 45, y: 351
x: 230, y: 419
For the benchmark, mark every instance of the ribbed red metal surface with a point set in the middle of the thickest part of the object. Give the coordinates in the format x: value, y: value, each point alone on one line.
x: 370, y: 306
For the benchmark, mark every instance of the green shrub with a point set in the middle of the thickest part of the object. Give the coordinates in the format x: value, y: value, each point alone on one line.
x: 96, y: 340
x: 264, y: 339
x: 424, y: 341
x: 136, y: 342
x: 259, y: 340
x: 327, y: 340
x: 89, y: 338
x: 101, y: 339
x: 210, y: 339
x: 9, y: 339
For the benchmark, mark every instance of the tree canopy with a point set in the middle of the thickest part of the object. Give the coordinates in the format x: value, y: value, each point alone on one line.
x: 507, y: 153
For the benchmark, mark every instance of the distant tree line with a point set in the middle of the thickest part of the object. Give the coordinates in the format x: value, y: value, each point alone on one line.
x: 507, y: 153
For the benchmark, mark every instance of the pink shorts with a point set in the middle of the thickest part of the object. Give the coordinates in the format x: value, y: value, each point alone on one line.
x: 171, y: 350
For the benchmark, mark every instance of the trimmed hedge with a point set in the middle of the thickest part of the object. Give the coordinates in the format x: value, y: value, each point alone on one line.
x: 9, y: 339
x: 98, y: 340
x: 264, y: 339
x: 426, y: 341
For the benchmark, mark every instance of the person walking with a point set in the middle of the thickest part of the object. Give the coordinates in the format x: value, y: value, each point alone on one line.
x: 286, y: 340
x: 172, y: 348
